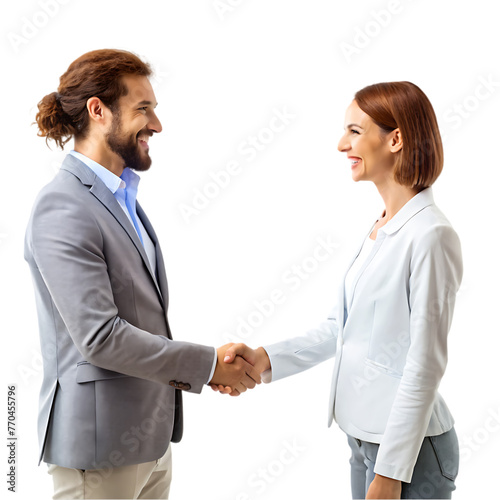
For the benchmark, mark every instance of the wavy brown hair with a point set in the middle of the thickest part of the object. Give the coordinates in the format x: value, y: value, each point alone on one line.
x: 403, y: 105
x: 63, y: 114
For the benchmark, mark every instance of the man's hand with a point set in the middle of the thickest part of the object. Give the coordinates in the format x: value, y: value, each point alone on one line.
x: 233, y: 378
x: 256, y: 357
x: 233, y: 353
x: 384, y: 487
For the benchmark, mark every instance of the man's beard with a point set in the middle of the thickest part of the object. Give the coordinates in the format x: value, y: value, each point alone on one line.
x: 127, y: 148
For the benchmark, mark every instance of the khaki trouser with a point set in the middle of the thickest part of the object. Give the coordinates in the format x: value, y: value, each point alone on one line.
x: 147, y: 480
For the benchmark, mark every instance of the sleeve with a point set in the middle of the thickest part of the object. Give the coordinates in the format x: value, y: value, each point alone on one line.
x: 301, y: 353
x: 435, y: 277
x: 67, y: 244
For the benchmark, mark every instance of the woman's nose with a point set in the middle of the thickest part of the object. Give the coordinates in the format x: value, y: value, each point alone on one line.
x: 343, y: 144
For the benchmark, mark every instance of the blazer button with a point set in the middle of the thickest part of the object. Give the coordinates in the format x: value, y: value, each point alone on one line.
x: 180, y: 385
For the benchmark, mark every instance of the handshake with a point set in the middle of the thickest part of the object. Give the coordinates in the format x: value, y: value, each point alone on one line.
x: 238, y: 368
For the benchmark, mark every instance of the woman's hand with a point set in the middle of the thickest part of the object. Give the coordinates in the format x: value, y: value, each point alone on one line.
x: 256, y: 357
x: 384, y: 487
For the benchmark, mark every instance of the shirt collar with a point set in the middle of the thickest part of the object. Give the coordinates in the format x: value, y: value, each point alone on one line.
x: 411, y: 208
x: 130, y: 180
x: 112, y: 181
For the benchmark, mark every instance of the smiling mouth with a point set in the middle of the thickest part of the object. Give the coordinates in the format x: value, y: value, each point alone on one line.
x: 144, y: 143
x: 354, y: 161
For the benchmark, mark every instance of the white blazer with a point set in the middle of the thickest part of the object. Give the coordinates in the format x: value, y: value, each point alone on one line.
x: 391, y: 348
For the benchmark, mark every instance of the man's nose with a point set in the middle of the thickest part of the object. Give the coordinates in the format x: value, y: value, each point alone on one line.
x: 154, y: 124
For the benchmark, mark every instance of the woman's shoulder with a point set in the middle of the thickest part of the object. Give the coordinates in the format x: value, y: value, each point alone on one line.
x: 429, y: 230
x: 432, y: 232
x: 432, y: 217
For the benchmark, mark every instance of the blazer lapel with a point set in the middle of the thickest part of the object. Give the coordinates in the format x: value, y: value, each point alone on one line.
x: 345, y: 300
x: 412, y: 207
x: 160, y: 265
x: 105, y: 196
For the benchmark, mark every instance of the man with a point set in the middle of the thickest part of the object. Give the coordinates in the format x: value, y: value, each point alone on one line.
x: 110, y: 401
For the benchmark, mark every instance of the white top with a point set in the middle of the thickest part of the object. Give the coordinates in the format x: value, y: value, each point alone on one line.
x: 355, y: 268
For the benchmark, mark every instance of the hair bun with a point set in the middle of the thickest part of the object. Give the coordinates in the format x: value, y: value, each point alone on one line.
x: 53, y: 122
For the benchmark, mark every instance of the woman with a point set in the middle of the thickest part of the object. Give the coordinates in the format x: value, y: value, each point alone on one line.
x: 389, y: 330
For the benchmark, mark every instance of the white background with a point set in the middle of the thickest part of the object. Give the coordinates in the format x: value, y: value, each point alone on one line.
x: 220, y: 75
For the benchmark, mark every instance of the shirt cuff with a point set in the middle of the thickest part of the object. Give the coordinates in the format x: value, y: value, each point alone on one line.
x: 267, y: 376
x: 213, y: 367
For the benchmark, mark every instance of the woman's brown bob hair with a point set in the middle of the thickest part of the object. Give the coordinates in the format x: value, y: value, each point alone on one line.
x: 63, y: 114
x: 403, y: 105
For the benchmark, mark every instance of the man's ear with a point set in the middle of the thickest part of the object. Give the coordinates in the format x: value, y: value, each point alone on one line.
x: 98, y: 112
x: 395, y: 141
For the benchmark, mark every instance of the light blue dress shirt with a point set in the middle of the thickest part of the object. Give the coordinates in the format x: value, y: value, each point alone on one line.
x: 124, y: 189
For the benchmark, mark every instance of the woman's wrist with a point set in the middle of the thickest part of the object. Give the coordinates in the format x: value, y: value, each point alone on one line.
x: 263, y: 363
x: 384, y: 487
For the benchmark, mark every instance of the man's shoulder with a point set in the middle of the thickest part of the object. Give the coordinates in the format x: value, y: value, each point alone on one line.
x: 63, y: 185
x: 73, y: 174
x: 64, y: 200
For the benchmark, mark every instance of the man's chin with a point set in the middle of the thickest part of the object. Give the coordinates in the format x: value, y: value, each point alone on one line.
x: 141, y: 166
x: 143, y: 162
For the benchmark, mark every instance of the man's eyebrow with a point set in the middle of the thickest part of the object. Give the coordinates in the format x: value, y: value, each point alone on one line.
x: 147, y: 103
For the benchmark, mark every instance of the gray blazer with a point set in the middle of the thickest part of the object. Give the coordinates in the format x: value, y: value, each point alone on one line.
x: 111, y: 368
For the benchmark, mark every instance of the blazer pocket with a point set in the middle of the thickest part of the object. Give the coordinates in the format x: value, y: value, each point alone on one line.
x: 388, y: 345
x: 382, y: 368
x: 86, y: 372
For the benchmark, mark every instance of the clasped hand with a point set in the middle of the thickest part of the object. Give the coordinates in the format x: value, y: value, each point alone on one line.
x: 238, y: 368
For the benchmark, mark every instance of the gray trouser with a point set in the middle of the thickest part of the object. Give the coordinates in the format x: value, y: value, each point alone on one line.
x: 433, y: 476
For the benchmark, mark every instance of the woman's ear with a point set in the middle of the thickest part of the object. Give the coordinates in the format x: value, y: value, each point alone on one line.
x: 395, y: 141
